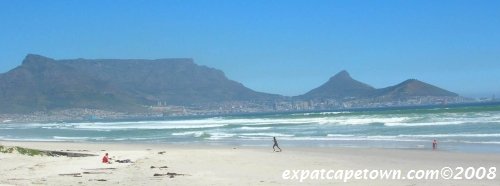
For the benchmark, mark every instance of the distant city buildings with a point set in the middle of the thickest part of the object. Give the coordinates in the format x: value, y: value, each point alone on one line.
x: 162, y: 109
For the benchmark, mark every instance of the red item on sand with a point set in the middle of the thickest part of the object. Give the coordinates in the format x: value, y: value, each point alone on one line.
x: 105, y: 159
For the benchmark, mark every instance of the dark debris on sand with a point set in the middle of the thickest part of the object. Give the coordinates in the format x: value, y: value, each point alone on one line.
x: 68, y: 154
x: 124, y: 161
x: 162, y: 167
x: 170, y: 174
x: 98, y: 180
x: 72, y: 174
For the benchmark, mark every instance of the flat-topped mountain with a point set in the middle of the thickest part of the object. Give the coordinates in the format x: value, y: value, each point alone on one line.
x: 342, y: 86
x: 42, y: 84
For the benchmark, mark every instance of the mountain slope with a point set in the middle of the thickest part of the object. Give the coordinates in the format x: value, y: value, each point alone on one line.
x: 44, y: 84
x: 341, y: 85
x: 412, y: 88
x: 41, y: 84
x: 176, y: 81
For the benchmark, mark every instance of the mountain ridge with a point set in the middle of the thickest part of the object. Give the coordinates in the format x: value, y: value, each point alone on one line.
x: 413, y: 87
x: 43, y: 84
x: 130, y: 85
x: 342, y: 85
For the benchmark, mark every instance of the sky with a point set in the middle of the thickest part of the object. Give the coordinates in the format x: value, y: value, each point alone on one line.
x: 283, y: 47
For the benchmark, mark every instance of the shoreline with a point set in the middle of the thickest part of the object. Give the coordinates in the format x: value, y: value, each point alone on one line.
x: 209, y: 145
x: 7, y: 118
x: 134, y: 146
x: 221, y: 165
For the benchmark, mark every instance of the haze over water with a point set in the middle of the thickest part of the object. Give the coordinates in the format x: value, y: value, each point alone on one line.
x: 464, y: 128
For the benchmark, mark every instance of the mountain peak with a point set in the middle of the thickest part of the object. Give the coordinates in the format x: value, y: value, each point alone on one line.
x: 409, y: 81
x: 36, y: 59
x: 341, y: 75
x: 341, y: 85
x: 415, y: 83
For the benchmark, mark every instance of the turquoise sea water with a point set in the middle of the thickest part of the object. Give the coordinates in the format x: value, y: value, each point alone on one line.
x: 457, y: 128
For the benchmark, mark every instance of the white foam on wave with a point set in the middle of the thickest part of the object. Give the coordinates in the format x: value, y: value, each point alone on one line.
x: 140, y: 138
x: 388, y: 138
x: 70, y: 138
x: 268, y: 121
x: 209, y: 135
x: 339, y: 135
x: 324, y: 118
x: 74, y: 138
x: 59, y: 127
x: 431, y: 123
x: 328, y: 113
x: 255, y: 138
x: 190, y: 133
x: 343, y: 120
x: 270, y: 134
x: 255, y: 128
x: 215, y: 120
x: 364, y: 120
x: 148, y: 126
x: 483, y: 142
x: 319, y: 113
x: 136, y: 139
x: 220, y: 135
x: 173, y: 124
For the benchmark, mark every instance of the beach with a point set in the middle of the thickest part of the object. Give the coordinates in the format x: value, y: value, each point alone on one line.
x: 223, y: 164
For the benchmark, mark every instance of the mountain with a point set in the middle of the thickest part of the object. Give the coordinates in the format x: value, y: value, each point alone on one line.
x: 41, y: 83
x: 131, y: 85
x: 341, y: 85
x: 412, y: 88
x: 44, y: 84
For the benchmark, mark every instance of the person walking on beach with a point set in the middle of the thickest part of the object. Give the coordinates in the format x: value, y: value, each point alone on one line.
x: 276, y: 145
x: 434, y: 145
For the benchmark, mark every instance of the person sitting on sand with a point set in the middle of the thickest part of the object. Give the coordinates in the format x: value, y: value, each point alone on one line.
x: 434, y: 145
x: 276, y: 145
x: 106, y: 159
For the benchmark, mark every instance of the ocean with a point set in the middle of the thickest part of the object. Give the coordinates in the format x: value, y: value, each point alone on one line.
x: 472, y: 128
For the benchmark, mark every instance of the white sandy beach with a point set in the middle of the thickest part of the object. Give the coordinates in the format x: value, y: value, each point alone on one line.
x: 221, y: 165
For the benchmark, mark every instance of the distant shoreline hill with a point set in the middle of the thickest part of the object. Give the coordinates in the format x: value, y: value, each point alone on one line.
x: 343, y: 86
x: 45, y: 84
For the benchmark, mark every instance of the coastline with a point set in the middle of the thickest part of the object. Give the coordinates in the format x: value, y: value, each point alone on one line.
x: 462, y: 129
x: 84, y: 116
x: 222, y: 164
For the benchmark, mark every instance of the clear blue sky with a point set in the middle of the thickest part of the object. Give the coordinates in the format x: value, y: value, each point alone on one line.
x: 285, y: 47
